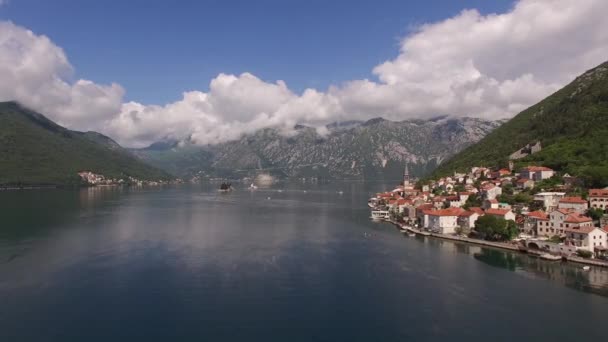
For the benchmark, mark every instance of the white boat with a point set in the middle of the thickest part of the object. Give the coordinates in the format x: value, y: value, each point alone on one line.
x: 252, y: 187
x: 378, y: 215
x: 586, y: 268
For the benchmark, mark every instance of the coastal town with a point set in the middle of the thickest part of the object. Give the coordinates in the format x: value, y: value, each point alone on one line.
x: 89, y: 178
x: 533, y: 209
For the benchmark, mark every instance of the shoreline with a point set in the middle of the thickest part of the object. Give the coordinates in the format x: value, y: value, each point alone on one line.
x: 499, y: 245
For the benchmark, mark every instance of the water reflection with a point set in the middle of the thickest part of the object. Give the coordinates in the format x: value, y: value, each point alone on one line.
x: 569, y: 274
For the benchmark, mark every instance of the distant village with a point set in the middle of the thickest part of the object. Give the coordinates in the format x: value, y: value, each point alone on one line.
x: 89, y: 178
x: 533, y: 209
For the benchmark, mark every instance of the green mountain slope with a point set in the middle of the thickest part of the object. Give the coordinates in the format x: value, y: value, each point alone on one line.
x: 36, y: 151
x: 572, y: 125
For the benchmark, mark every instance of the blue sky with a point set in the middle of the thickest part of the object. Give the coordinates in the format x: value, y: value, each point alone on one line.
x: 158, y: 49
x: 209, y: 71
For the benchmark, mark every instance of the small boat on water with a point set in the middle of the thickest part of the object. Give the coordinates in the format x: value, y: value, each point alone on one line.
x: 225, y: 187
x: 252, y: 187
x: 550, y: 257
x: 411, y: 234
x: 586, y: 268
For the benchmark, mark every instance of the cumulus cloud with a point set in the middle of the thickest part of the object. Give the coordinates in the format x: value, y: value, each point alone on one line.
x: 36, y: 72
x: 490, y: 66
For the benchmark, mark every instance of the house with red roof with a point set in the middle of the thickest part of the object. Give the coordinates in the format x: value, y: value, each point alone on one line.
x: 537, y: 173
x: 598, y: 198
x: 490, y: 191
x: 574, y: 203
x: 562, y: 219
x: 506, y: 214
x: 421, y: 214
x: 444, y: 221
x: 477, y: 210
x: 531, y: 222
x: 490, y: 204
x: 467, y: 219
x: 524, y: 183
x: 589, y: 238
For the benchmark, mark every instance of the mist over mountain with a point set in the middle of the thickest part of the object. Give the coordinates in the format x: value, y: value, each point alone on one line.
x: 375, y: 149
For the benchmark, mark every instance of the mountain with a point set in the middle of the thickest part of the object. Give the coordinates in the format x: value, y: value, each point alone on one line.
x: 376, y: 149
x: 571, y: 124
x: 36, y: 151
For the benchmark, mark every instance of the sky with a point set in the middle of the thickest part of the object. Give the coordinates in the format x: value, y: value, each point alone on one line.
x: 210, y: 71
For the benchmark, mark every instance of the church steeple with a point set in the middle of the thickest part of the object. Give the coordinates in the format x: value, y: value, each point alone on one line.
x: 406, y: 175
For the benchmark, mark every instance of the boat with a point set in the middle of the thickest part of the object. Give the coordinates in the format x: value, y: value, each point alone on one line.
x: 411, y: 234
x: 379, y: 215
x: 550, y: 257
x: 252, y: 187
x: 586, y: 268
x: 225, y: 187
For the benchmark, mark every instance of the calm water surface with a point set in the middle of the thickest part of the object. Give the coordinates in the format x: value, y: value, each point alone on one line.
x: 188, y: 263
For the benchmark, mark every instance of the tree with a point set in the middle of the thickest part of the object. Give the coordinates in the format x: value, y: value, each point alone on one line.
x: 555, y: 239
x: 595, y: 213
x: 472, y: 201
x: 584, y: 253
x: 495, y: 228
x: 458, y: 188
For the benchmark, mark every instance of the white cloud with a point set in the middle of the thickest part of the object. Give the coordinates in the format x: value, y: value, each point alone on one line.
x: 35, y: 72
x: 488, y: 66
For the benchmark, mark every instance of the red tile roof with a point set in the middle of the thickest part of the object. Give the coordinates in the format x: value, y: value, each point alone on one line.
x: 537, y: 168
x: 477, y: 210
x: 467, y: 213
x: 497, y: 212
x: 573, y: 218
x: 540, y: 215
x: 564, y: 211
x: 581, y: 230
x: 425, y: 206
x: 445, y: 212
x: 577, y: 200
x: 598, y: 192
x: 522, y: 180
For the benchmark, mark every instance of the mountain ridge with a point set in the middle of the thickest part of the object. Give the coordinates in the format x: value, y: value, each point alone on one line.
x: 374, y: 149
x: 571, y: 124
x: 34, y: 150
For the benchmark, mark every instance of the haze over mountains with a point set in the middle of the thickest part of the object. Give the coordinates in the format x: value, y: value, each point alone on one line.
x: 376, y: 149
x: 572, y: 126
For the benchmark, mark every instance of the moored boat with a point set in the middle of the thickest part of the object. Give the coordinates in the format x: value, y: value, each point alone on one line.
x: 378, y: 215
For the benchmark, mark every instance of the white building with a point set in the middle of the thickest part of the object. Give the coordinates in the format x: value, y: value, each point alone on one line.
x: 574, y: 203
x: 490, y: 191
x: 560, y: 220
x: 550, y: 200
x: 588, y: 238
x: 444, y: 221
x: 598, y: 198
x: 537, y: 173
x: 467, y: 219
